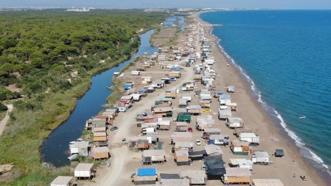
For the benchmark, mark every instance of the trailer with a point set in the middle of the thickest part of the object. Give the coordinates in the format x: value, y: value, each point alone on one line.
x: 249, y: 137
x: 261, y: 157
x: 234, y: 122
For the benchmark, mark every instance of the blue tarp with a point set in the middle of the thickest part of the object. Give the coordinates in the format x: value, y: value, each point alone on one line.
x: 146, y: 172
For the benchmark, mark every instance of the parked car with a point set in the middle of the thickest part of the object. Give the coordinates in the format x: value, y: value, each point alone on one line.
x: 279, y: 153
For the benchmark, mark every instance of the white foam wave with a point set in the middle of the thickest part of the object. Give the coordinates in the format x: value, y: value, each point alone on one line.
x: 298, y: 141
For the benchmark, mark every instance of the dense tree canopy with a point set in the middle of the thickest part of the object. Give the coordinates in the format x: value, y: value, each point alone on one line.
x: 41, y: 49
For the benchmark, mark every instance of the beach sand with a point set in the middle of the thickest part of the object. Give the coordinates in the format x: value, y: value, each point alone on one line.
x: 125, y: 161
x: 288, y: 168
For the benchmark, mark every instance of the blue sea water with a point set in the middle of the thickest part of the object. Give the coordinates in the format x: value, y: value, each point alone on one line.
x: 287, y: 55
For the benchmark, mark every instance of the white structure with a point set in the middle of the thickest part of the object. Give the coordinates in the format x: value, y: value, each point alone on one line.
x: 84, y: 170
x: 249, y: 137
x: 260, y: 157
x: 62, y: 181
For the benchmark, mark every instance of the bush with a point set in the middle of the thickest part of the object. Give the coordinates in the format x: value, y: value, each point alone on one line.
x: 3, y: 107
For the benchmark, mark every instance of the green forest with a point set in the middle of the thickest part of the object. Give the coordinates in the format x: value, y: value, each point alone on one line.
x: 49, y: 58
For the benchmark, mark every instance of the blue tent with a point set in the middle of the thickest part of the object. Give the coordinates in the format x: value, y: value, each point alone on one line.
x: 148, y: 171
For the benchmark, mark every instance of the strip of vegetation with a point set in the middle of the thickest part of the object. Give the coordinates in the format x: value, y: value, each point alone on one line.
x: 50, y: 56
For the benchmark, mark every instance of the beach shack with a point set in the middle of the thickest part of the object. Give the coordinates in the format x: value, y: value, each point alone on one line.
x: 99, y: 153
x: 214, y: 167
x: 181, y: 137
x: 261, y: 157
x: 182, y: 127
x: 194, y: 109
x: 136, y: 97
x: 197, y: 153
x: 241, y: 163
x: 224, y: 99
x: 237, y: 176
x: 141, y: 142
x: 163, y: 124
x: 184, y: 117
x: 63, y: 181
x: 234, y: 122
x: 174, y: 182
x: 84, y: 171
x: 240, y: 147
x: 268, y: 182
x: 174, y: 74
x: 99, y: 136
x: 145, y: 175
x: 171, y: 94
x: 212, y: 150
x: 164, y: 111
x: 110, y: 113
x: 135, y: 72
x: 146, y: 80
x: 188, y: 86
x: 218, y: 139
x: 183, y: 103
x: 98, y: 126
x: 183, y: 145
x: 210, y: 131
x: 205, y: 121
x: 205, y: 95
x: 153, y: 156
x: 249, y: 137
x: 224, y: 113
x: 196, y: 177
x: 79, y: 147
x: 181, y: 157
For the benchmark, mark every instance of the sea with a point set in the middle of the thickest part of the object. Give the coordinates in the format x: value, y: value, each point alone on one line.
x: 286, y: 58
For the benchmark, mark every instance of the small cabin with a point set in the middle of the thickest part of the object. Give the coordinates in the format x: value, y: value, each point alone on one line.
x: 196, y: 177
x: 237, y: 176
x: 153, y: 156
x: 79, y: 147
x: 194, y: 109
x: 181, y: 157
x: 84, y: 171
x: 240, y: 147
x: 145, y: 175
x: 234, y: 122
x: 267, y: 182
x: 99, y: 153
x: 241, y: 163
x: 261, y: 157
x: 225, y: 113
x: 63, y: 181
x: 249, y: 137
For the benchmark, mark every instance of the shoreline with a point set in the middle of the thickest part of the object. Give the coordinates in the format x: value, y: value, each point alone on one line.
x: 269, y: 113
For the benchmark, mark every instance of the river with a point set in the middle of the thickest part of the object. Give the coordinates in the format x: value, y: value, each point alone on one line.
x: 56, y: 145
x: 54, y: 148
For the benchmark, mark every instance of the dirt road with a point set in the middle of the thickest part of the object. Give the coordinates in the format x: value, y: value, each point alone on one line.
x: 4, y: 121
x: 124, y: 121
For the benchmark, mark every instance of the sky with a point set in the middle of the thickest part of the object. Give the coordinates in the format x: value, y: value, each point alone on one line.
x: 115, y: 4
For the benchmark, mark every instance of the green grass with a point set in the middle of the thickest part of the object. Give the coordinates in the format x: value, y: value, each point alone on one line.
x: 2, y: 115
x: 36, y: 116
x: 27, y: 128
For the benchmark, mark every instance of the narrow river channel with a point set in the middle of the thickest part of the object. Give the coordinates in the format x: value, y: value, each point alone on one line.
x: 54, y: 148
x: 56, y: 145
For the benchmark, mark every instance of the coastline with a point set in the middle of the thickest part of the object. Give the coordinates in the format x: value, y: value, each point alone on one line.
x: 272, y: 120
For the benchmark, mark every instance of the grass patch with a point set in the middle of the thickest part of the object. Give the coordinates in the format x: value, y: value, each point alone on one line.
x: 2, y: 115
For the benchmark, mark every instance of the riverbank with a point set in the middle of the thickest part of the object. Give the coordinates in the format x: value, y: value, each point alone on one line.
x: 24, y: 151
x: 292, y: 166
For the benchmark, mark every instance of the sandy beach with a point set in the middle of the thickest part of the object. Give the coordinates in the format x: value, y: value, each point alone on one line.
x: 290, y: 169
